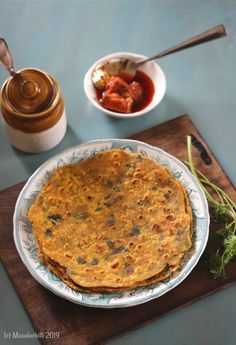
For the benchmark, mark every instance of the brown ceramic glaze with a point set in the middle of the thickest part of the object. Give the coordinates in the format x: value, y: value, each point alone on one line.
x: 31, y: 101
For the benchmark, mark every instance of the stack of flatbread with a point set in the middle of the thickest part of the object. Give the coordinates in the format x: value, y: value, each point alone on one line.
x: 113, y: 222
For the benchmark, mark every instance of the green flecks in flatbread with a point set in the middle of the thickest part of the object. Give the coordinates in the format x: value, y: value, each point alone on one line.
x: 115, y: 221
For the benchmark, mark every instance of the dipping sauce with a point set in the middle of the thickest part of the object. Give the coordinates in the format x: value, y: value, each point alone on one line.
x: 126, y: 96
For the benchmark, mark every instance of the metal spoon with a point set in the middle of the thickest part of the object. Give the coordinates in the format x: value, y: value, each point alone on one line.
x: 5, y: 57
x: 129, y: 67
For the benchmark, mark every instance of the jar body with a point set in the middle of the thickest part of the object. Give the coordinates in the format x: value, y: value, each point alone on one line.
x: 35, y: 121
x: 38, y: 141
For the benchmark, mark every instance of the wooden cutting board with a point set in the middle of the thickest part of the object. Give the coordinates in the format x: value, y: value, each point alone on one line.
x: 84, y: 325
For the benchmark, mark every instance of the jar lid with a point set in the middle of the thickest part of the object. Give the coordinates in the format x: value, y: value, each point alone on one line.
x: 30, y: 91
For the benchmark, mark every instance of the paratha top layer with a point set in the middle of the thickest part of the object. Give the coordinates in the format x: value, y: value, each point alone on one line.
x: 113, y: 220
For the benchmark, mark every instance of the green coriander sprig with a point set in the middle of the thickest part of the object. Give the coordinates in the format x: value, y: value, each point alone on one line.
x: 222, y: 210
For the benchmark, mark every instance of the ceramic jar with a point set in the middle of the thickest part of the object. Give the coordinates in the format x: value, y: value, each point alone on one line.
x: 33, y: 110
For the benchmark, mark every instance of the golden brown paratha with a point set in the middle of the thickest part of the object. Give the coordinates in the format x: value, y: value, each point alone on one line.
x: 112, y: 222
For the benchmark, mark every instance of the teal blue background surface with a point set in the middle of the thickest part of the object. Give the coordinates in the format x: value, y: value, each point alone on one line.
x: 65, y: 38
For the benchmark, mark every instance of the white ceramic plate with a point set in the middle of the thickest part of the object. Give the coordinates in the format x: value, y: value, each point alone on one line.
x: 27, y: 248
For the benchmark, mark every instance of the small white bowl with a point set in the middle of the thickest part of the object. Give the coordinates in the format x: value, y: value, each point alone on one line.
x: 150, y: 68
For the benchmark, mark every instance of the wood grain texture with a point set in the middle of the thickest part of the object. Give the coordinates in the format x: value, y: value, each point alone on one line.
x: 83, y: 325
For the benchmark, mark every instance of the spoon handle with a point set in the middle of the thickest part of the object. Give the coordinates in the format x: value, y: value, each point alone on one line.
x: 209, y: 35
x: 5, y: 57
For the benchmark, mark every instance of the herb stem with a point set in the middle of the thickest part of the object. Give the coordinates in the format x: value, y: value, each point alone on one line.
x: 222, y: 209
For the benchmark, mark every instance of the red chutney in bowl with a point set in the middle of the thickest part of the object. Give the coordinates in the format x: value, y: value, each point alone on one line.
x: 126, y: 96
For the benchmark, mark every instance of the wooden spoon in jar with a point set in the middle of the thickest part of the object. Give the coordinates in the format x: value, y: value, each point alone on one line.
x: 5, y: 57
